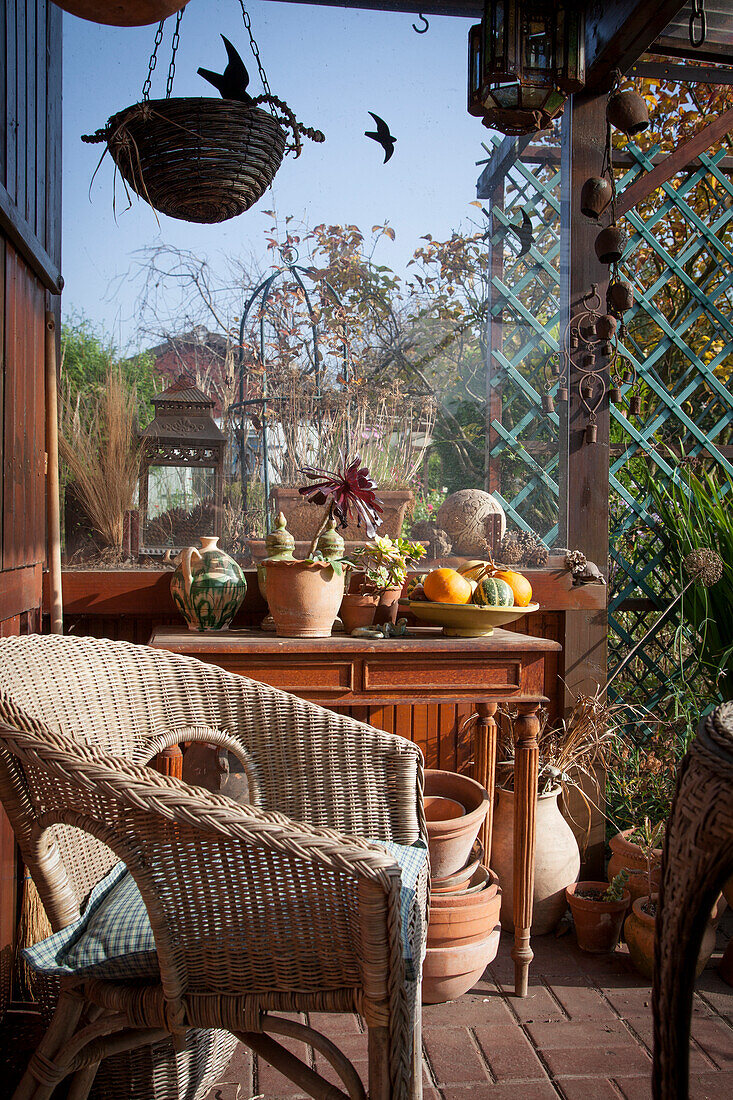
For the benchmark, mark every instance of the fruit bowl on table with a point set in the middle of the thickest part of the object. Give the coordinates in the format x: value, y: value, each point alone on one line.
x: 467, y: 620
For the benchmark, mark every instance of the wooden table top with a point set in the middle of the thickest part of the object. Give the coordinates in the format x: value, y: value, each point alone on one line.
x: 422, y: 640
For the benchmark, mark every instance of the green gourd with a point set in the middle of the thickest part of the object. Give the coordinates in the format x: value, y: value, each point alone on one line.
x: 493, y: 592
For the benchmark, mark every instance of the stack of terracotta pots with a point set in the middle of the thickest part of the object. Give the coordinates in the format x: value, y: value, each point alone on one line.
x: 463, y: 930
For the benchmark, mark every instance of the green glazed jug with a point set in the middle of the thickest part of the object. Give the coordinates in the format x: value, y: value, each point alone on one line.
x: 208, y: 586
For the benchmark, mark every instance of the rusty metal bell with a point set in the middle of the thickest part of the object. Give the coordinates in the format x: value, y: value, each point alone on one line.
x: 562, y: 393
x: 635, y: 405
x: 606, y: 326
x: 628, y: 112
x: 614, y: 395
x: 591, y: 433
x: 620, y: 297
x: 610, y: 244
x: 548, y: 403
x: 606, y: 348
x: 595, y: 196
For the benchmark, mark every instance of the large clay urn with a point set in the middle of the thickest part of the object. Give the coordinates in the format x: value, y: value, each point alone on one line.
x: 122, y: 13
x: 557, y: 860
x: 207, y: 586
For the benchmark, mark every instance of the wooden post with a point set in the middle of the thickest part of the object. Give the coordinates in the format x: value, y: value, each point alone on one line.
x: 584, y: 508
x: 526, y: 759
x: 53, y: 507
x: 485, y: 771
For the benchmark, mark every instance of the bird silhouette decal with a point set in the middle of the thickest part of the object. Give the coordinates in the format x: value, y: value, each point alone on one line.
x: 524, y: 233
x: 232, y: 83
x: 382, y: 136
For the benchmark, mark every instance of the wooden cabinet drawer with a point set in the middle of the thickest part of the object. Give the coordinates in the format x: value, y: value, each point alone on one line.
x: 300, y: 677
x: 438, y: 674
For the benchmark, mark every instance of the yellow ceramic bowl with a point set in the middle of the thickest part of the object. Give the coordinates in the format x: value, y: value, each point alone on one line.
x: 467, y: 620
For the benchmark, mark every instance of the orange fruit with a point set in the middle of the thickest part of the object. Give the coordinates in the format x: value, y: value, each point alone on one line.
x: 519, y: 585
x: 447, y: 586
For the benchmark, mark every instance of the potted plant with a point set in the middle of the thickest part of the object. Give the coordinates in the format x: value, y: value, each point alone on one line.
x: 304, y: 596
x: 569, y: 753
x: 598, y: 912
x: 376, y: 577
x: 627, y: 854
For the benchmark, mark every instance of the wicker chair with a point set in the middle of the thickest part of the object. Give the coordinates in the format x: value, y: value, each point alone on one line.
x: 696, y: 862
x: 276, y: 906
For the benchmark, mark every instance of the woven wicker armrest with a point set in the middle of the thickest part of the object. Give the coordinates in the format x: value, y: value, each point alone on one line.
x: 238, y: 898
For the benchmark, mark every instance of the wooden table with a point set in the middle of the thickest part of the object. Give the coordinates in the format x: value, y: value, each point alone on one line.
x: 343, y: 672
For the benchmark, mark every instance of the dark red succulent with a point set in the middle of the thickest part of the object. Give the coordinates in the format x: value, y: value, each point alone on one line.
x: 350, y: 494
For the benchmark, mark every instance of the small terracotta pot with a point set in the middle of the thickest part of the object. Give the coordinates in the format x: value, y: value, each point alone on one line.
x: 449, y: 972
x: 304, y: 597
x: 597, y: 923
x: 358, y: 609
x: 610, y: 244
x: 466, y: 901
x: 460, y: 925
x: 595, y: 196
x: 462, y: 876
x: 388, y: 606
x: 628, y: 112
x: 478, y: 882
x: 450, y: 841
x: 625, y: 855
x: 640, y: 931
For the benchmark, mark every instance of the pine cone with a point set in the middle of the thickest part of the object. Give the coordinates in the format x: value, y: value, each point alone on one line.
x: 510, y: 550
x: 538, y: 556
x: 576, y: 561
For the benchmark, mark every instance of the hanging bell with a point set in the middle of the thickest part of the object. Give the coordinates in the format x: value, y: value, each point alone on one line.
x: 614, y: 395
x: 591, y: 433
x: 610, y: 244
x: 589, y: 360
x: 562, y: 392
x: 548, y: 403
x: 606, y: 326
x: 627, y: 375
x: 606, y: 348
x: 635, y: 405
x: 586, y: 387
x: 628, y: 112
x: 595, y: 196
x: 573, y: 343
x: 620, y: 297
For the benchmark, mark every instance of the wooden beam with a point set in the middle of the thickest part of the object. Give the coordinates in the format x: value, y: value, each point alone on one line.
x: 682, y: 74
x: 468, y: 9
x: 20, y: 590
x: 22, y: 237
x: 618, y: 32
x: 507, y: 153
x: 643, y: 186
x: 716, y: 52
x: 550, y: 154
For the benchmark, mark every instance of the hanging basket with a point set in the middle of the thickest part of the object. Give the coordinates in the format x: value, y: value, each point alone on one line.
x: 199, y: 160
x: 122, y: 13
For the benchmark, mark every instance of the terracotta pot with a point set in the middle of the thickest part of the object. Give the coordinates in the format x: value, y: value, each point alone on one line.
x: 122, y: 13
x: 557, y: 860
x: 304, y: 519
x: 449, y: 972
x: 460, y: 925
x: 610, y: 244
x: 490, y: 890
x: 462, y: 876
x: 478, y: 882
x: 597, y: 923
x: 304, y: 597
x: 625, y: 855
x: 595, y: 197
x: 450, y: 841
x: 639, y: 933
x: 357, y: 609
x: 388, y: 606
x: 628, y: 112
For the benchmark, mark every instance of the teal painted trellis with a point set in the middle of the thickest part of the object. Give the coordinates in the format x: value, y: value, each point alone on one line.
x: 680, y: 340
x: 524, y: 324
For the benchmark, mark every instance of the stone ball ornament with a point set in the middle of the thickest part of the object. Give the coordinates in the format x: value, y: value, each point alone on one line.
x: 463, y: 516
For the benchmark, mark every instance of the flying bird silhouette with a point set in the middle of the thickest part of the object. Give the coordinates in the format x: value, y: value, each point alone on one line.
x: 382, y: 136
x: 232, y: 83
x: 524, y: 233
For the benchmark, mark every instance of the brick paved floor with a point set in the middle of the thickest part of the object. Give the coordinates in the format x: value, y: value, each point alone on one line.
x: 583, y: 1033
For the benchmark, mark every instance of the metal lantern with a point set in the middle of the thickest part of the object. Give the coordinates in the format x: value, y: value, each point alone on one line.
x: 181, y: 472
x: 524, y: 59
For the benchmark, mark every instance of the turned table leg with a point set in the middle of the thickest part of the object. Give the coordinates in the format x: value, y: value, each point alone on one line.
x: 485, y: 772
x: 526, y: 728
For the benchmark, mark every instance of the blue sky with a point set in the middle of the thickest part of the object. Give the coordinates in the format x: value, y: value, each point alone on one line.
x: 332, y: 66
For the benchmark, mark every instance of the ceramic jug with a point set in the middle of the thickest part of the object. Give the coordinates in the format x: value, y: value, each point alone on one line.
x: 208, y: 586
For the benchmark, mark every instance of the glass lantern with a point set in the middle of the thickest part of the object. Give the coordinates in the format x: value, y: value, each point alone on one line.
x: 182, y: 471
x: 524, y: 59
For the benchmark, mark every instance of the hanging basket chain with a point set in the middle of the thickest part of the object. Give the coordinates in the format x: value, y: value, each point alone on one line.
x: 698, y: 35
x: 174, y: 51
x: 256, y: 54
x: 153, y: 61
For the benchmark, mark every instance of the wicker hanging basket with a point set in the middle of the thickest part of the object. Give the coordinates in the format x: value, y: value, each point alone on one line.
x: 122, y: 13
x: 199, y: 160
